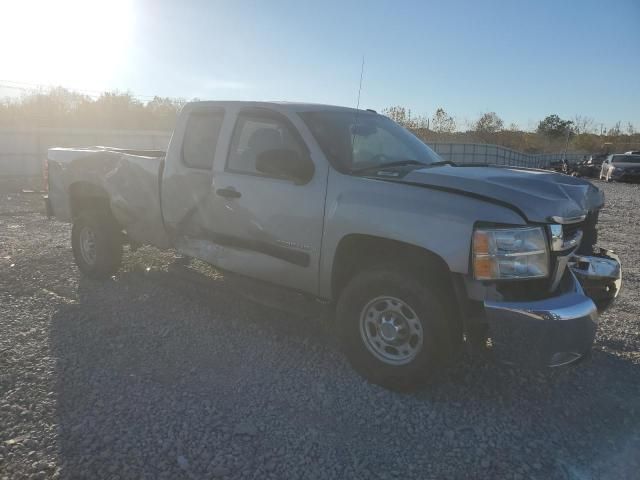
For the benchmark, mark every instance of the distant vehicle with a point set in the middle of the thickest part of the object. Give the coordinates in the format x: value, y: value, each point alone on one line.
x: 591, y: 168
x: 633, y: 152
x: 350, y: 208
x: 573, y: 169
x: 621, y: 168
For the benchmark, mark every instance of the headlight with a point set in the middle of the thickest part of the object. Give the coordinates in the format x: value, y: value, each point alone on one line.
x: 508, y: 253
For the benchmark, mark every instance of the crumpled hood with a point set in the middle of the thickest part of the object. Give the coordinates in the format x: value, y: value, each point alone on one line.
x: 538, y: 194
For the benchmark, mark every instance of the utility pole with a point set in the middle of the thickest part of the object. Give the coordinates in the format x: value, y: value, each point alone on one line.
x: 566, y: 145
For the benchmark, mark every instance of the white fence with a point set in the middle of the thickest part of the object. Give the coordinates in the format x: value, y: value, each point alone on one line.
x: 23, y: 151
x: 496, y: 155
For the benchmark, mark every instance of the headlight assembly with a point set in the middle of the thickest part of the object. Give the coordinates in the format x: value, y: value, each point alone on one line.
x: 510, y: 253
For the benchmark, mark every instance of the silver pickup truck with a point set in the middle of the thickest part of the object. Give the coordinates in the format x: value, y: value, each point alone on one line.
x: 416, y: 254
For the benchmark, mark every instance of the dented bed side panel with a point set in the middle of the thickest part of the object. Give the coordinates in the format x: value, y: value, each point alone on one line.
x: 130, y: 182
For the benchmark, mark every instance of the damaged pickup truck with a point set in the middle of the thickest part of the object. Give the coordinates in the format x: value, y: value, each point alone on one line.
x: 417, y: 254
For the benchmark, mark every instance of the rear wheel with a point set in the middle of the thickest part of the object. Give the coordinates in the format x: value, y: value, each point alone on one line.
x: 97, y: 244
x: 393, y: 327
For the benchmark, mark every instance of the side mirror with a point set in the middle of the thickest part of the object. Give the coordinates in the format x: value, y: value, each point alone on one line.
x: 286, y: 163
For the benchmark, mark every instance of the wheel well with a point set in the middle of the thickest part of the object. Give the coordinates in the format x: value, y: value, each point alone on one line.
x: 87, y: 196
x: 356, y: 251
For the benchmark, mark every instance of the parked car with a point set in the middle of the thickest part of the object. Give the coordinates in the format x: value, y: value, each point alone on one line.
x: 347, y: 206
x: 621, y: 168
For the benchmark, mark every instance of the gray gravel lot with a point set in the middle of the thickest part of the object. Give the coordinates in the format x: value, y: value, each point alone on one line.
x: 156, y: 375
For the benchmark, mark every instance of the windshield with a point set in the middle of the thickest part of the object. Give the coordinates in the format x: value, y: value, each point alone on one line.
x: 626, y: 159
x: 360, y: 140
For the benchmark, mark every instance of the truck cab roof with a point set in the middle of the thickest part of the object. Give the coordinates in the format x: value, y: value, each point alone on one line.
x: 280, y: 106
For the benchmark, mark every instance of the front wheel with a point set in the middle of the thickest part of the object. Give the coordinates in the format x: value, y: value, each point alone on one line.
x: 393, y: 327
x: 97, y: 244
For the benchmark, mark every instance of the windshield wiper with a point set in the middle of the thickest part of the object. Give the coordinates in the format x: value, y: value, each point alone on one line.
x: 398, y: 163
x: 443, y: 162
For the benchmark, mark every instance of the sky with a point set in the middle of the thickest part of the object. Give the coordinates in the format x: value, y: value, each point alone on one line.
x: 521, y: 59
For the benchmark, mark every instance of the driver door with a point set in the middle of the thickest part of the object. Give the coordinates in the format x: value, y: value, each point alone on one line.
x: 267, y: 227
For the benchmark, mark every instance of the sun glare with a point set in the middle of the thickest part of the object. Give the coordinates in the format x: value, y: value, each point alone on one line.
x: 79, y: 43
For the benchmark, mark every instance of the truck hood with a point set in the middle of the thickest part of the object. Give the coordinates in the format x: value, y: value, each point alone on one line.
x: 536, y: 194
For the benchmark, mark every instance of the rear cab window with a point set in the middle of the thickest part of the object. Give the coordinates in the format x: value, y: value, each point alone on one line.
x: 201, y: 139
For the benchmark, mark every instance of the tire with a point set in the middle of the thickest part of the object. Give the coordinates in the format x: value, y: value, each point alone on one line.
x: 420, y: 320
x: 96, y: 240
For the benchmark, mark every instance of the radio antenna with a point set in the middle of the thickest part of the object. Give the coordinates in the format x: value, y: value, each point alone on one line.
x: 360, y: 87
x: 353, y: 137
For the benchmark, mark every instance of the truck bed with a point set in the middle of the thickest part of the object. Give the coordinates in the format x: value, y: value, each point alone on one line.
x: 128, y: 179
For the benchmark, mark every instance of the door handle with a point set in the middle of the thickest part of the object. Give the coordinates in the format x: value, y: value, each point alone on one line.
x: 228, y: 192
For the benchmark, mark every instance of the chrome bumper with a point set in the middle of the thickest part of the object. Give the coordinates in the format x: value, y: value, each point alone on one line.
x: 561, y: 329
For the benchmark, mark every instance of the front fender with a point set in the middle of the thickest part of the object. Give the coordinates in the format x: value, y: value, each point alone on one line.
x: 438, y: 221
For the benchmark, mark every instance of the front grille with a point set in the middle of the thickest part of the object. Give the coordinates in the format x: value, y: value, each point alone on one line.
x: 589, y: 232
x: 525, y: 290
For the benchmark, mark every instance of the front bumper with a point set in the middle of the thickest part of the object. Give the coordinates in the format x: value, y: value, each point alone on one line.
x: 623, y: 175
x: 558, y: 330
x: 600, y: 276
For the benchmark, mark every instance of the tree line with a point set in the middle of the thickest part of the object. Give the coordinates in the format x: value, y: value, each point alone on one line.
x: 63, y: 108
x: 553, y: 134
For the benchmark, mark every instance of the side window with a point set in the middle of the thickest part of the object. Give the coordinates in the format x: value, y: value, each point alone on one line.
x: 200, y: 139
x: 254, y: 135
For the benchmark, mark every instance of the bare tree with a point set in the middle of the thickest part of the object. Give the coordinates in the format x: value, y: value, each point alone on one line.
x: 489, y: 122
x: 442, y: 122
x: 402, y: 116
x: 615, y: 130
x: 630, y: 129
x: 397, y: 113
x: 582, y: 124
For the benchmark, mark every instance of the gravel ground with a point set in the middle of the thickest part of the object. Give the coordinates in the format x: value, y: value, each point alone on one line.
x: 168, y: 372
